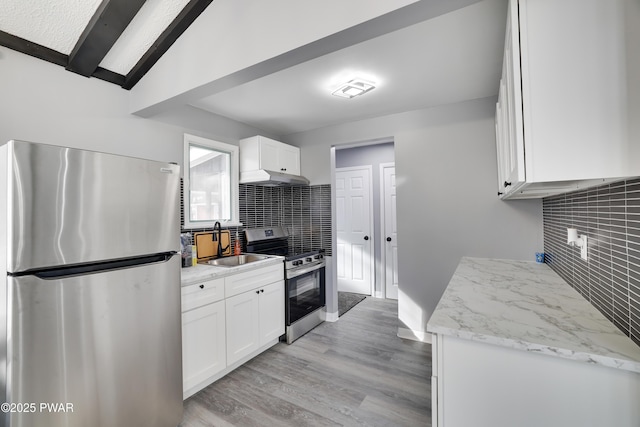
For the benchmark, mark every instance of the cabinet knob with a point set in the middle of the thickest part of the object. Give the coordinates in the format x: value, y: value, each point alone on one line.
x: 366, y: 237
x: 507, y: 183
x: 201, y: 286
x: 257, y: 292
x: 388, y: 239
x: 261, y: 290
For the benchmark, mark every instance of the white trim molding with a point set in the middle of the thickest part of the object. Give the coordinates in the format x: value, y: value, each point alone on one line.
x: 329, y: 317
x: 414, y: 335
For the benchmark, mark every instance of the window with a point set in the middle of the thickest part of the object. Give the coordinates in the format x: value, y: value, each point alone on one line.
x: 210, y: 183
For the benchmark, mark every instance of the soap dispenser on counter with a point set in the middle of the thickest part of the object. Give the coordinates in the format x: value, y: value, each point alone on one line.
x: 236, y: 246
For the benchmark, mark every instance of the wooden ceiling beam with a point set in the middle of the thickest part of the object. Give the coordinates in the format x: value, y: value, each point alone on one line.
x: 185, y: 18
x: 53, y: 56
x: 103, y: 30
x: 32, y: 49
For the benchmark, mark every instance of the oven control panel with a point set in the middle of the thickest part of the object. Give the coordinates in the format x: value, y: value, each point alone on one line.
x: 303, y: 260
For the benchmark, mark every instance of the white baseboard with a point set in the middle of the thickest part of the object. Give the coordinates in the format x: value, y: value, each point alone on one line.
x: 378, y: 294
x: 414, y: 335
x: 329, y: 317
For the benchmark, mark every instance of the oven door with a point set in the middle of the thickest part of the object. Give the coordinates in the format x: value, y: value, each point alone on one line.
x: 305, y: 291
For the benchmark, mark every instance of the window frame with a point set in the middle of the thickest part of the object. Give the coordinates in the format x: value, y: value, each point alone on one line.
x: 234, y: 173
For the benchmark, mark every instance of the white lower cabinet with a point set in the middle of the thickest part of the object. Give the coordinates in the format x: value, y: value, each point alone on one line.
x: 486, y: 385
x: 254, y: 318
x: 203, y: 343
x: 218, y: 333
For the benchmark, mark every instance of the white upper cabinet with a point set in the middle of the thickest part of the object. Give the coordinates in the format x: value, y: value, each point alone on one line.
x: 509, y: 134
x: 261, y: 153
x: 564, y: 118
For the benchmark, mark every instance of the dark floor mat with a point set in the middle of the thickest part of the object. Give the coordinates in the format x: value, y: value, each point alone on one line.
x: 348, y: 300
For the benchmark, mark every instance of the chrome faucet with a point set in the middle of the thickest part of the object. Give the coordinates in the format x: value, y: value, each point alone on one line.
x: 220, y: 248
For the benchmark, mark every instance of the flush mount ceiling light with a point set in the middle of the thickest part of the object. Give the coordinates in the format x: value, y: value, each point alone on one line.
x: 353, y: 88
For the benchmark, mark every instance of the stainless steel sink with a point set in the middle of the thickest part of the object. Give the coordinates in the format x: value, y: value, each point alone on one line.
x: 234, y: 261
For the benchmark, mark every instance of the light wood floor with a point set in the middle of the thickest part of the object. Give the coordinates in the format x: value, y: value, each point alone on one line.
x: 354, y: 372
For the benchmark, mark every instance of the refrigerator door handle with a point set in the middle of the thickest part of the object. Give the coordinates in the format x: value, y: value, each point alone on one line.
x: 75, y: 270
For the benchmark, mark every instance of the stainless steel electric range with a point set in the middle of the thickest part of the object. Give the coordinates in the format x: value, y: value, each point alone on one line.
x: 304, y: 278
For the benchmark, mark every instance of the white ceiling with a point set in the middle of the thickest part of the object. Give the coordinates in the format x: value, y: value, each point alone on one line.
x: 449, y: 59
x: 50, y: 23
x: 57, y: 24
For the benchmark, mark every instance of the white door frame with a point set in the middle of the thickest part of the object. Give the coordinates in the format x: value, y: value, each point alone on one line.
x: 372, y: 256
x: 383, y: 243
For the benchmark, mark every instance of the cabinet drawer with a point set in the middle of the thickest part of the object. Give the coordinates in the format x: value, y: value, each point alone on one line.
x: 202, y: 293
x: 249, y: 280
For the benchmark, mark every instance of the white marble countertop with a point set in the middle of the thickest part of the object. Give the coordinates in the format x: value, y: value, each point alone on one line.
x: 527, y: 306
x: 200, y: 272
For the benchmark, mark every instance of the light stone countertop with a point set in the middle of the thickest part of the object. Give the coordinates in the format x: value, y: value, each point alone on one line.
x: 527, y: 306
x: 200, y: 272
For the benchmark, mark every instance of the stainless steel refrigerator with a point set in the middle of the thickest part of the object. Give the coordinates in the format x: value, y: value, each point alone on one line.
x: 90, y: 306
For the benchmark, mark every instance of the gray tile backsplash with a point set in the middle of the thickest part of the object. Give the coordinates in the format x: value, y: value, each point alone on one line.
x: 610, y: 217
x: 305, y: 211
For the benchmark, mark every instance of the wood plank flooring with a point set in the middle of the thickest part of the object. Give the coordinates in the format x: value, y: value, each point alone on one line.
x: 354, y: 372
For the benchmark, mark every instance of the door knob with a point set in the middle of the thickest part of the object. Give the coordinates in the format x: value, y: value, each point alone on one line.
x: 388, y: 239
x: 366, y: 237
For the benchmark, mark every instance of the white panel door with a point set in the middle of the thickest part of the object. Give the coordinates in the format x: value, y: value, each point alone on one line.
x: 354, y: 230
x: 390, y: 232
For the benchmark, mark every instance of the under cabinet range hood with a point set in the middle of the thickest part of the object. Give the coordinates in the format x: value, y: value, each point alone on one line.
x: 271, y: 178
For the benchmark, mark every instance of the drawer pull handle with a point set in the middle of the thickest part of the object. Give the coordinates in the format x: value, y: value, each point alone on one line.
x: 201, y: 286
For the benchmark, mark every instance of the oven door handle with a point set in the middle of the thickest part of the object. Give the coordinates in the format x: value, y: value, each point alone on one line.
x: 295, y: 273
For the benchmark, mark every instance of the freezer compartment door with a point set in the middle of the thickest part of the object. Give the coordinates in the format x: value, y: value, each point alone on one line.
x: 107, y: 343
x: 70, y: 206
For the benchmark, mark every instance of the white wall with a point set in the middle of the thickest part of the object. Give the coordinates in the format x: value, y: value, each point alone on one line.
x: 446, y: 195
x: 43, y: 102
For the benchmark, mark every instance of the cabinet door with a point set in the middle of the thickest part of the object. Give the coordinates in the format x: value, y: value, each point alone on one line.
x: 243, y: 328
x: 271, y: 312
x: 502, y: 143
x: 575, y: 90
x: 513, y: 129
x: 203, y: 343
x: 269, y: 157
x: 289, y: 159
